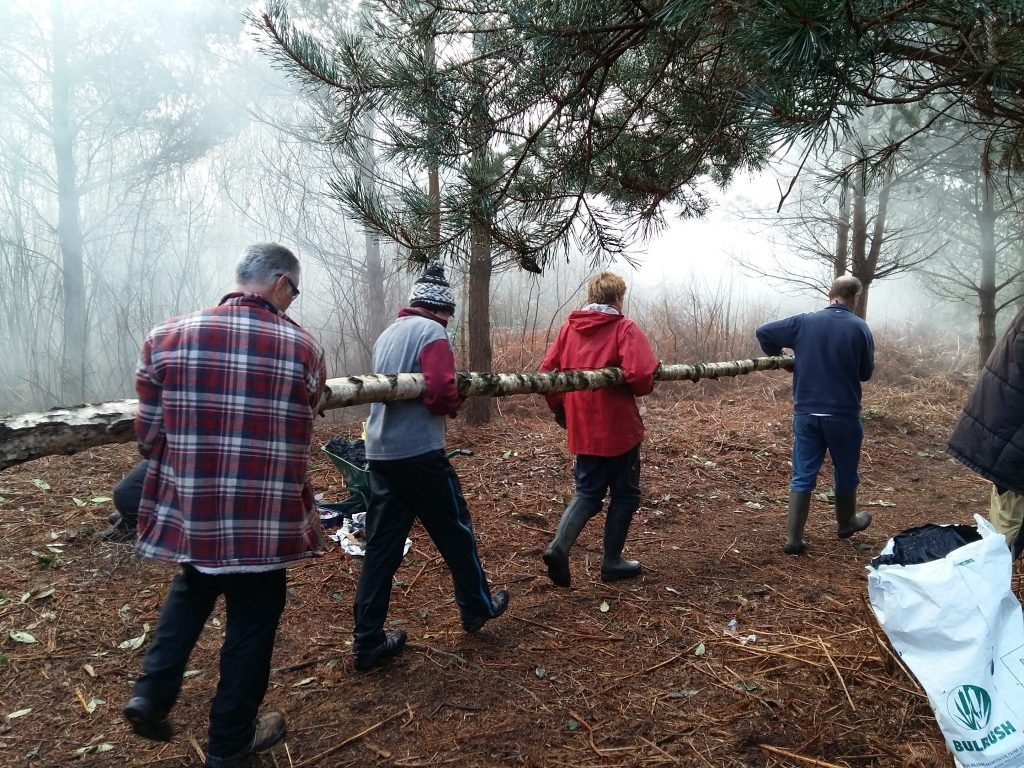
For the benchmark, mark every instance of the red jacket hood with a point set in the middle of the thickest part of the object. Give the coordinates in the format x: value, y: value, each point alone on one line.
x: 590, y: 321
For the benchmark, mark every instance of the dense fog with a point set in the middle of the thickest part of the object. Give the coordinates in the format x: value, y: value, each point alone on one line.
x: 144, y: 144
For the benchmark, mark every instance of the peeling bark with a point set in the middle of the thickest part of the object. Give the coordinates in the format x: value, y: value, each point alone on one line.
x: 65, y: 430
x: 70, y: 430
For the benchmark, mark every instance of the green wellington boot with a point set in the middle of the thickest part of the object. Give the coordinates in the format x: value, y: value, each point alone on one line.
x: 799, y: 507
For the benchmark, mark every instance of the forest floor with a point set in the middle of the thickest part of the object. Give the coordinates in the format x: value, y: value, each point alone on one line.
x: 644, y: 672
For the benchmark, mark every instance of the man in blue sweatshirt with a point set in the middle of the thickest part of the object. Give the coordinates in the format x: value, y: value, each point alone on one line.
x: 835, y: 352
x: 411, y: 477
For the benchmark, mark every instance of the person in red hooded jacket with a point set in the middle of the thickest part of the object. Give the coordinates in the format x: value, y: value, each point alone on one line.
x: 603, y: 426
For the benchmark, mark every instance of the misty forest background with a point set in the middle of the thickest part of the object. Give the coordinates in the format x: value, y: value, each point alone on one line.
x: 143, y: 144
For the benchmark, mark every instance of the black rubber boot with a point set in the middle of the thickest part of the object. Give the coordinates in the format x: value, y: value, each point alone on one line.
x: 556, y: 556
x: 799, y: 507
x: 848, y: 520
x: 616, y: 527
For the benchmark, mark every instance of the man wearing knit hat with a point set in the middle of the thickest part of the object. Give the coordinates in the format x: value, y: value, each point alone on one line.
x: 411, y: 477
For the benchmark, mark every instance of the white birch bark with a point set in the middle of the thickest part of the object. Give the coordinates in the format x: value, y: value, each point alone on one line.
x: 70, y: 430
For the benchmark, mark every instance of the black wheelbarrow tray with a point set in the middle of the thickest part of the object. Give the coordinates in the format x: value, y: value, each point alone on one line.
x: 357, y: 479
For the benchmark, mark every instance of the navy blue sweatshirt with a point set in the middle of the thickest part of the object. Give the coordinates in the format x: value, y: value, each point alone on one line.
x: 834, y: 351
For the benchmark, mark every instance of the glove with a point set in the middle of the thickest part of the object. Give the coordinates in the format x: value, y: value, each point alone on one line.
x: 560, y: 417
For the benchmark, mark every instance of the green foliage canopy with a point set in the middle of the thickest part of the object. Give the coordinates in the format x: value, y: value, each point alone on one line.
x: 561, y: 122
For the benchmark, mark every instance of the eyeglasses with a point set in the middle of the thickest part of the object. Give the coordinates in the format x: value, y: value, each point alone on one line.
x: 295, y: 289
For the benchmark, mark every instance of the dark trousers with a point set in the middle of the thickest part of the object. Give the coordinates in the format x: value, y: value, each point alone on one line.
x: 254, y: 603
x: 424, y: 487
x: 128, y: 494
x: 620, y: 475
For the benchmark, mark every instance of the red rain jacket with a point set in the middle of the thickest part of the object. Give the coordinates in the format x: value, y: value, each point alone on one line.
x: 602, y: 422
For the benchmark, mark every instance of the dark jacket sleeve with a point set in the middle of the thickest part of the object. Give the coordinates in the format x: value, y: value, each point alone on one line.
x: 867, y: 365
x: 441, y: 396
x: 774, y: 336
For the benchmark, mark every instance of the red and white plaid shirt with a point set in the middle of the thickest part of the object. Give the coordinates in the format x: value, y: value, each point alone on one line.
x: 227, y: 398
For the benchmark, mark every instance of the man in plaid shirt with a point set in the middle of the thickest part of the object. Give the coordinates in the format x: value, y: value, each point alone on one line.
x: 227, y: 397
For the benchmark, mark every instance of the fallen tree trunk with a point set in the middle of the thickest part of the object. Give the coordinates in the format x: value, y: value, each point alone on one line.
x: 70, y: 430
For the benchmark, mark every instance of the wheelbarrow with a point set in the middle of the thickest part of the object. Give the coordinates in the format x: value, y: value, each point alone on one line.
x: 357, y: 478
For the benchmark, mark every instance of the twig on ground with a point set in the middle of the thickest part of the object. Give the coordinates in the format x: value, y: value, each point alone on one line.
x: 342, y: 744
x: 795, y: 756
x: 836, y: 669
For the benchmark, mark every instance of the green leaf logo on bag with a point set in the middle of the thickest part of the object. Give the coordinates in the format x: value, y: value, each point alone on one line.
x: 971, y: 706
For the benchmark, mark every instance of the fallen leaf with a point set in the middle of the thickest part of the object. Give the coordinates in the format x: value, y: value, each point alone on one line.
x: 42, y: 485
x: 89, y: 670
x: 700, y: 650
x: 100, y: 499
x: 78, y: 502
x: 605, y: 607
x: 22, y: 637
x: 540, y: 672
x: 304, y: 681
x: 94, y: 749
x: 134, y: 643
x: 19, y: 713
x: 683, y: 694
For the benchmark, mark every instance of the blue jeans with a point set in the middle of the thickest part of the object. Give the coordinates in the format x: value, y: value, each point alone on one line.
x: 841, y: 436
x: 254, y: 603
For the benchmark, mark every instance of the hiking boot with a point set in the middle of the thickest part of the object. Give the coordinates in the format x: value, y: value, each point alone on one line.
x: 499, y: 603
x: 270, y: 729
x: 391, y: 646
x: 118, y: 533
x: 146, y: 721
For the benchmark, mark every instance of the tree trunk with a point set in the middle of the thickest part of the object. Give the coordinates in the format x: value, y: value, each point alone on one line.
x: 69, y: 430
x: 866, y: 272
x: 986, y: 217
x: 376, y: 315
x: 859, y: 225
x: 842, y: 258
x: 433, y: 175
x: 69, y: 229
x: 478, y: 410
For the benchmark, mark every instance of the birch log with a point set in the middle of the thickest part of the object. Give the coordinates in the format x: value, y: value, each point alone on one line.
x: 70, y: 430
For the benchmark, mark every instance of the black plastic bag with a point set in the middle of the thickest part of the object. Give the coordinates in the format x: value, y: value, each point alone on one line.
x: 927, y: 543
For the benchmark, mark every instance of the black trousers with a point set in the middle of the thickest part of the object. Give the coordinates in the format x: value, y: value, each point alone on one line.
x: 128, y: 494
x: 424, y: 487
x: 254, y: 603
x: 597, y: 475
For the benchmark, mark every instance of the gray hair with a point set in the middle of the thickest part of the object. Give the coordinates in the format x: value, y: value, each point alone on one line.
x: 262, y: 262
